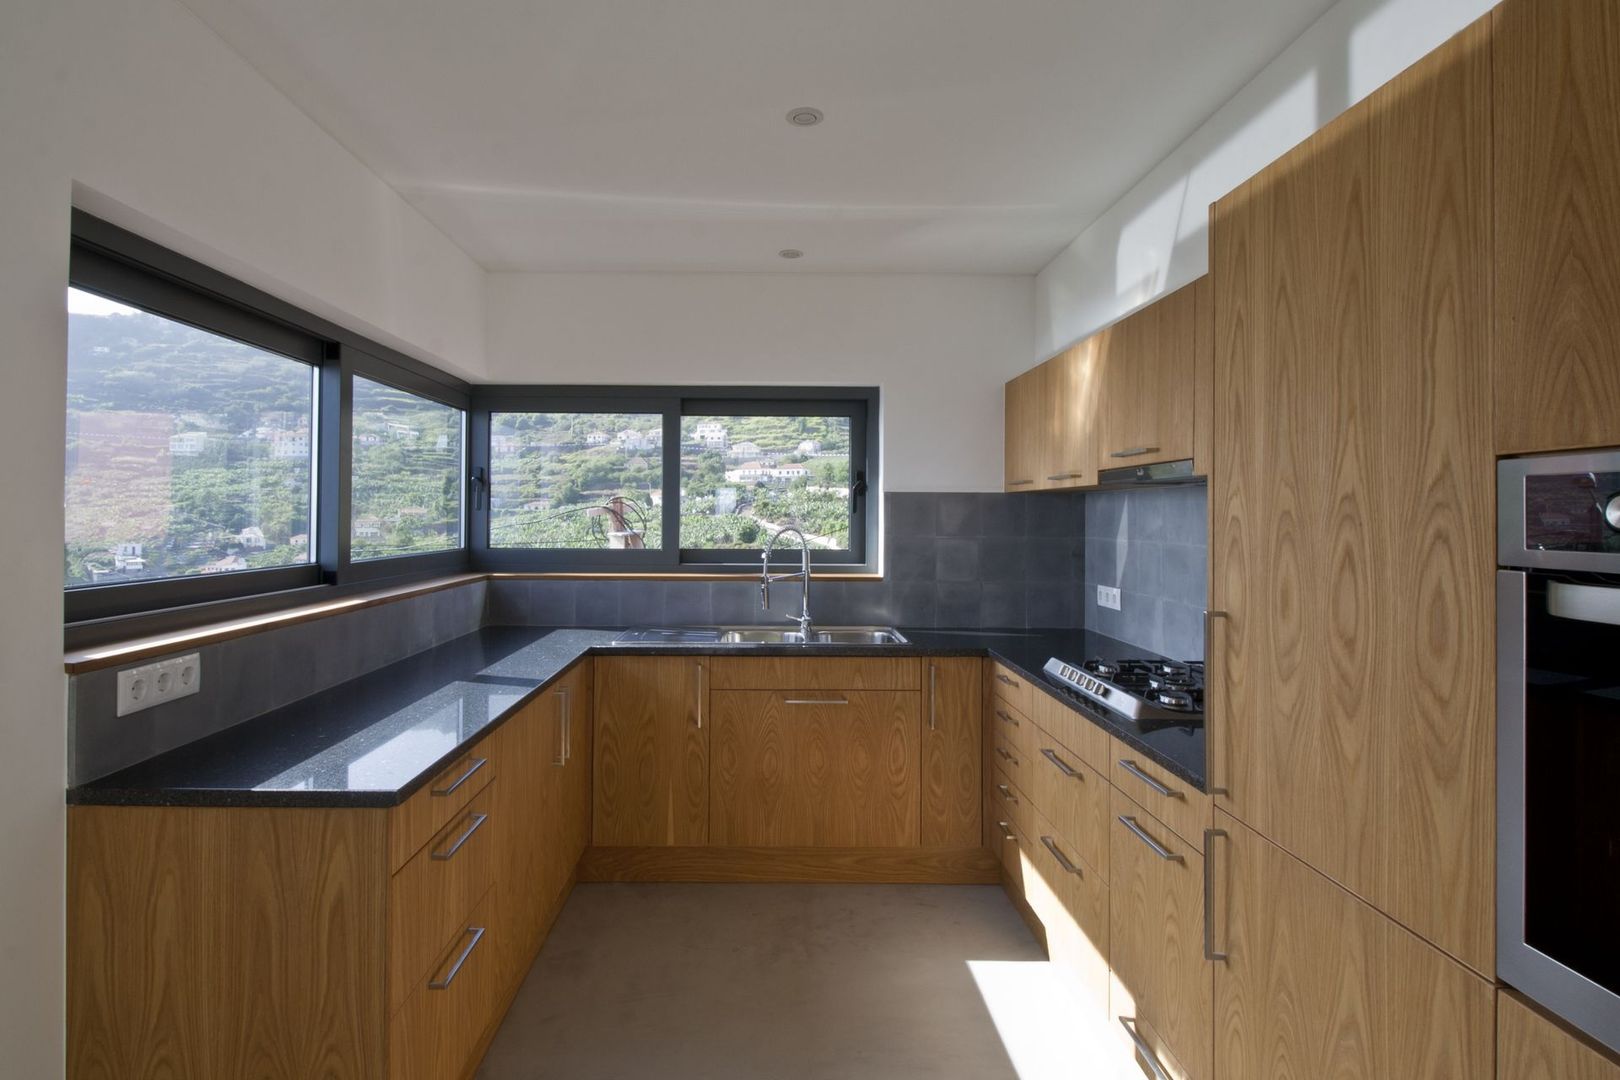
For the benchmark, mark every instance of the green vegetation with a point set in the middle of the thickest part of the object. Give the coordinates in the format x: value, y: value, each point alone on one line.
x: 405, y: 498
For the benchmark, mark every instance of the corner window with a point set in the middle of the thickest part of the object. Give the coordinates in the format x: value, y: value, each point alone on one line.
x: 406, y: 473
x: 188, y: 452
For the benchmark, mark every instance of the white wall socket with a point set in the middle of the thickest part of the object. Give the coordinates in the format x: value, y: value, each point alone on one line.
x: 153, y: 684
x: 1108, y: 597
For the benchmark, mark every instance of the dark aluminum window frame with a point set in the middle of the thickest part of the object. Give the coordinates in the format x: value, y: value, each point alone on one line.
x: 860, y: 404
x: 122, y: 266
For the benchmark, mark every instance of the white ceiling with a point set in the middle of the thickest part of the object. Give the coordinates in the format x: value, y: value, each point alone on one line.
x: 961, y: 135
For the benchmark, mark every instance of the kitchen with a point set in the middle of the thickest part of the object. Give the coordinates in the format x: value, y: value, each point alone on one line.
x: 631, y: 552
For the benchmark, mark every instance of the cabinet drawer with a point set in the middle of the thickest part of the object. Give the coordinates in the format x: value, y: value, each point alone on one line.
x: 1011, y: 760
x: 1011, y: 687
x: 1073, y: 796
x: 1071, y: 900
x: 1162, y: 980
x: 452, y: 1005
x: 814, y: 673
x: 1072, y: 729
x: 1010, y: 841
x: 1161, y: 793
x: 419, y: 818
x: 1011, y: 724
x: 1007, y: 802
x: 432, y: 894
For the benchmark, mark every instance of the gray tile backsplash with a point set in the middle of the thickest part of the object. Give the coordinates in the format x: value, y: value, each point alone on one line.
x: 951, y: 560
x: 1153, y: 545
x: 247, y: 676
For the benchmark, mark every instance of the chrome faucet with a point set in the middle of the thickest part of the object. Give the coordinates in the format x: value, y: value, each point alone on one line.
x: 766, y: 577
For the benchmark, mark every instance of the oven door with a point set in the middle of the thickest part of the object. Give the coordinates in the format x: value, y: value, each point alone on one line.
x: 1558, y: 794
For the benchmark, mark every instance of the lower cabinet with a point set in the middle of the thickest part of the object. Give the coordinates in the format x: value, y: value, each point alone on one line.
x: 1530, y: 1046
x: 373, y: 944
x: 1317, y: 983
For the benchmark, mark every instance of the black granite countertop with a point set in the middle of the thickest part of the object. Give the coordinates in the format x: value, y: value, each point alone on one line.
x: 375, y: 740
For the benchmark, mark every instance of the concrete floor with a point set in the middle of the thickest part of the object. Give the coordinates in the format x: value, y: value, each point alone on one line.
x: 787, y: 982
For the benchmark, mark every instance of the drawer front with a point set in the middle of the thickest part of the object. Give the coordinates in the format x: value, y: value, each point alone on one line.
x: 1071, y: 900
x: 451, y: 1006
x: 1011, y: 724
x: 1009, y: 804
x: 418, y: 819
x: 1007, y: 757
x: 1071, y: 728
x: 814, y: 673
x: 1011, y: 687
x: 1161, y: 977
x: 431, y: 896
x: 1161, y: 793
x: 1073, y: 796
x: 1011, y: 844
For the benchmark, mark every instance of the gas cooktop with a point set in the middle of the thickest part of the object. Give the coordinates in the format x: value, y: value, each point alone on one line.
x: 1152, y: 690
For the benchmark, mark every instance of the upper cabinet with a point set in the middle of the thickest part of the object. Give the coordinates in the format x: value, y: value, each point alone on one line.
x: 1557, y: 114
x: 1127, y: 395
x: 1351, y: 681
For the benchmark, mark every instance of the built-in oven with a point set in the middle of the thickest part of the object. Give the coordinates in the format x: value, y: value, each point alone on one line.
x: 1558, y: 752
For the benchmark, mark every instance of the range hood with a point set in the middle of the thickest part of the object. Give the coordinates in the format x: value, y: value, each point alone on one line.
x: 1162, y: 474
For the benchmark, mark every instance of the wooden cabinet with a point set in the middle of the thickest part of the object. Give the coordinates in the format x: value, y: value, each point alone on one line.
x: 1146, y: 397
x: 1352, y: 682
x: 1162, y: 982
x: 1532, y: 1046
x: 1557, y: 299
x: 816, y: 768
x: 1071, y: 900
x: 1073, y: 796
x: 1023, y: 423
x: 951, y: 762
x: 651, y: 777
x: 1317, y: 983
x: 444, y: 1023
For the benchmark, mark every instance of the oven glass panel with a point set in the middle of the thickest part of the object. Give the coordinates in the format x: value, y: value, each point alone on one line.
x: 1572, y: 785
x: 1570, y: 512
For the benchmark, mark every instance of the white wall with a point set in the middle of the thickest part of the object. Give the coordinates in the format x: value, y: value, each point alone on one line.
x: 939, y: 346
x: 1155, y: 239
x: 146, y: 115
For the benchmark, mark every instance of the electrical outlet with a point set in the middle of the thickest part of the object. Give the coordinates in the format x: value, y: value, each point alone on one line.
x: 1108, y: 597
x: 153, y: 684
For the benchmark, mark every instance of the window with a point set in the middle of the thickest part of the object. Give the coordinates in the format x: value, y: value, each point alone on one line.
x: 656, y: 479
x: 406, y: 473
x: 188, y: 452
x: 576, y: 480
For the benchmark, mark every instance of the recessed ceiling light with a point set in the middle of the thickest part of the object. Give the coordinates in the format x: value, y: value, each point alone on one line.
x: 804, y: 116
x: 791, y: 253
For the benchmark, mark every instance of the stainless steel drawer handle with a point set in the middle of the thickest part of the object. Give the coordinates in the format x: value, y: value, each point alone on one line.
x: 1006, y: 793
x: 1013, y: 720
x: 1019, y: 483
x: 1158, y: 849
x: 1062, y: 766
x: 1209, y: 895
x: 1007, y: 831
x: 1135, y: 451
x: 1005, y: 756
x: 1063, y: 860
x: 1066, y: 476
x: 477, y: 933
x: 477, y: 823
x: 478, y: 763
x: 1143, y: 1050
x: 815, y: 701
x: 1132, y: 768
x: 1000, y: 678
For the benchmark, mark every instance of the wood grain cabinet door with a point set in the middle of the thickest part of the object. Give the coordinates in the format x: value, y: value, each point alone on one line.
x: 651, y: 751
x: 570, y: 835
x: 952, y: 767
x: 1351, y: 500
x: 816, y: 768
x: 1557, y: 303
x: 1023, y: 419
x: 1318, y: 984
x: 1147, y: 373
x: 1529, y: 1046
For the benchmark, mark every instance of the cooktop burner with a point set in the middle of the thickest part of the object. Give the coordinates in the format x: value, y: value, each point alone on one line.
x: 1138, y: 688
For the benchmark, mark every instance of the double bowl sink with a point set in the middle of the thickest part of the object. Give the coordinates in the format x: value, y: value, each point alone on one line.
x: 760, y: 635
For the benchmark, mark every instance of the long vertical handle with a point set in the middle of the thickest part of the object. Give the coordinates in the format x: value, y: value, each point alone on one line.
x: 567, y: 723
x: 1216, y: 664
x: 562, y: 729
x: 700, y: 695
x: 1209, y: 895
x: 933, y: 696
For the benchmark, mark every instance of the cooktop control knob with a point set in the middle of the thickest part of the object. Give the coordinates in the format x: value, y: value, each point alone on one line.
x: 1611, y: 513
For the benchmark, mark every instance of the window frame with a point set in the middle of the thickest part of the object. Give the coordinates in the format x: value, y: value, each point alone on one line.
x: 113, y: 262
x: 860, y: 404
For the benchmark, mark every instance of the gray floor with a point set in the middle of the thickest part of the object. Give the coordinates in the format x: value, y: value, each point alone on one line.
x: 781, y: 982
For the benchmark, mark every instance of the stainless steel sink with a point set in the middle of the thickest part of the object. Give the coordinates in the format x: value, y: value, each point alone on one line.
x: 760, y: 635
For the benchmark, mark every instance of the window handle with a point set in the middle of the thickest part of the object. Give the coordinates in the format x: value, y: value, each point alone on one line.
x: 479, y: 483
